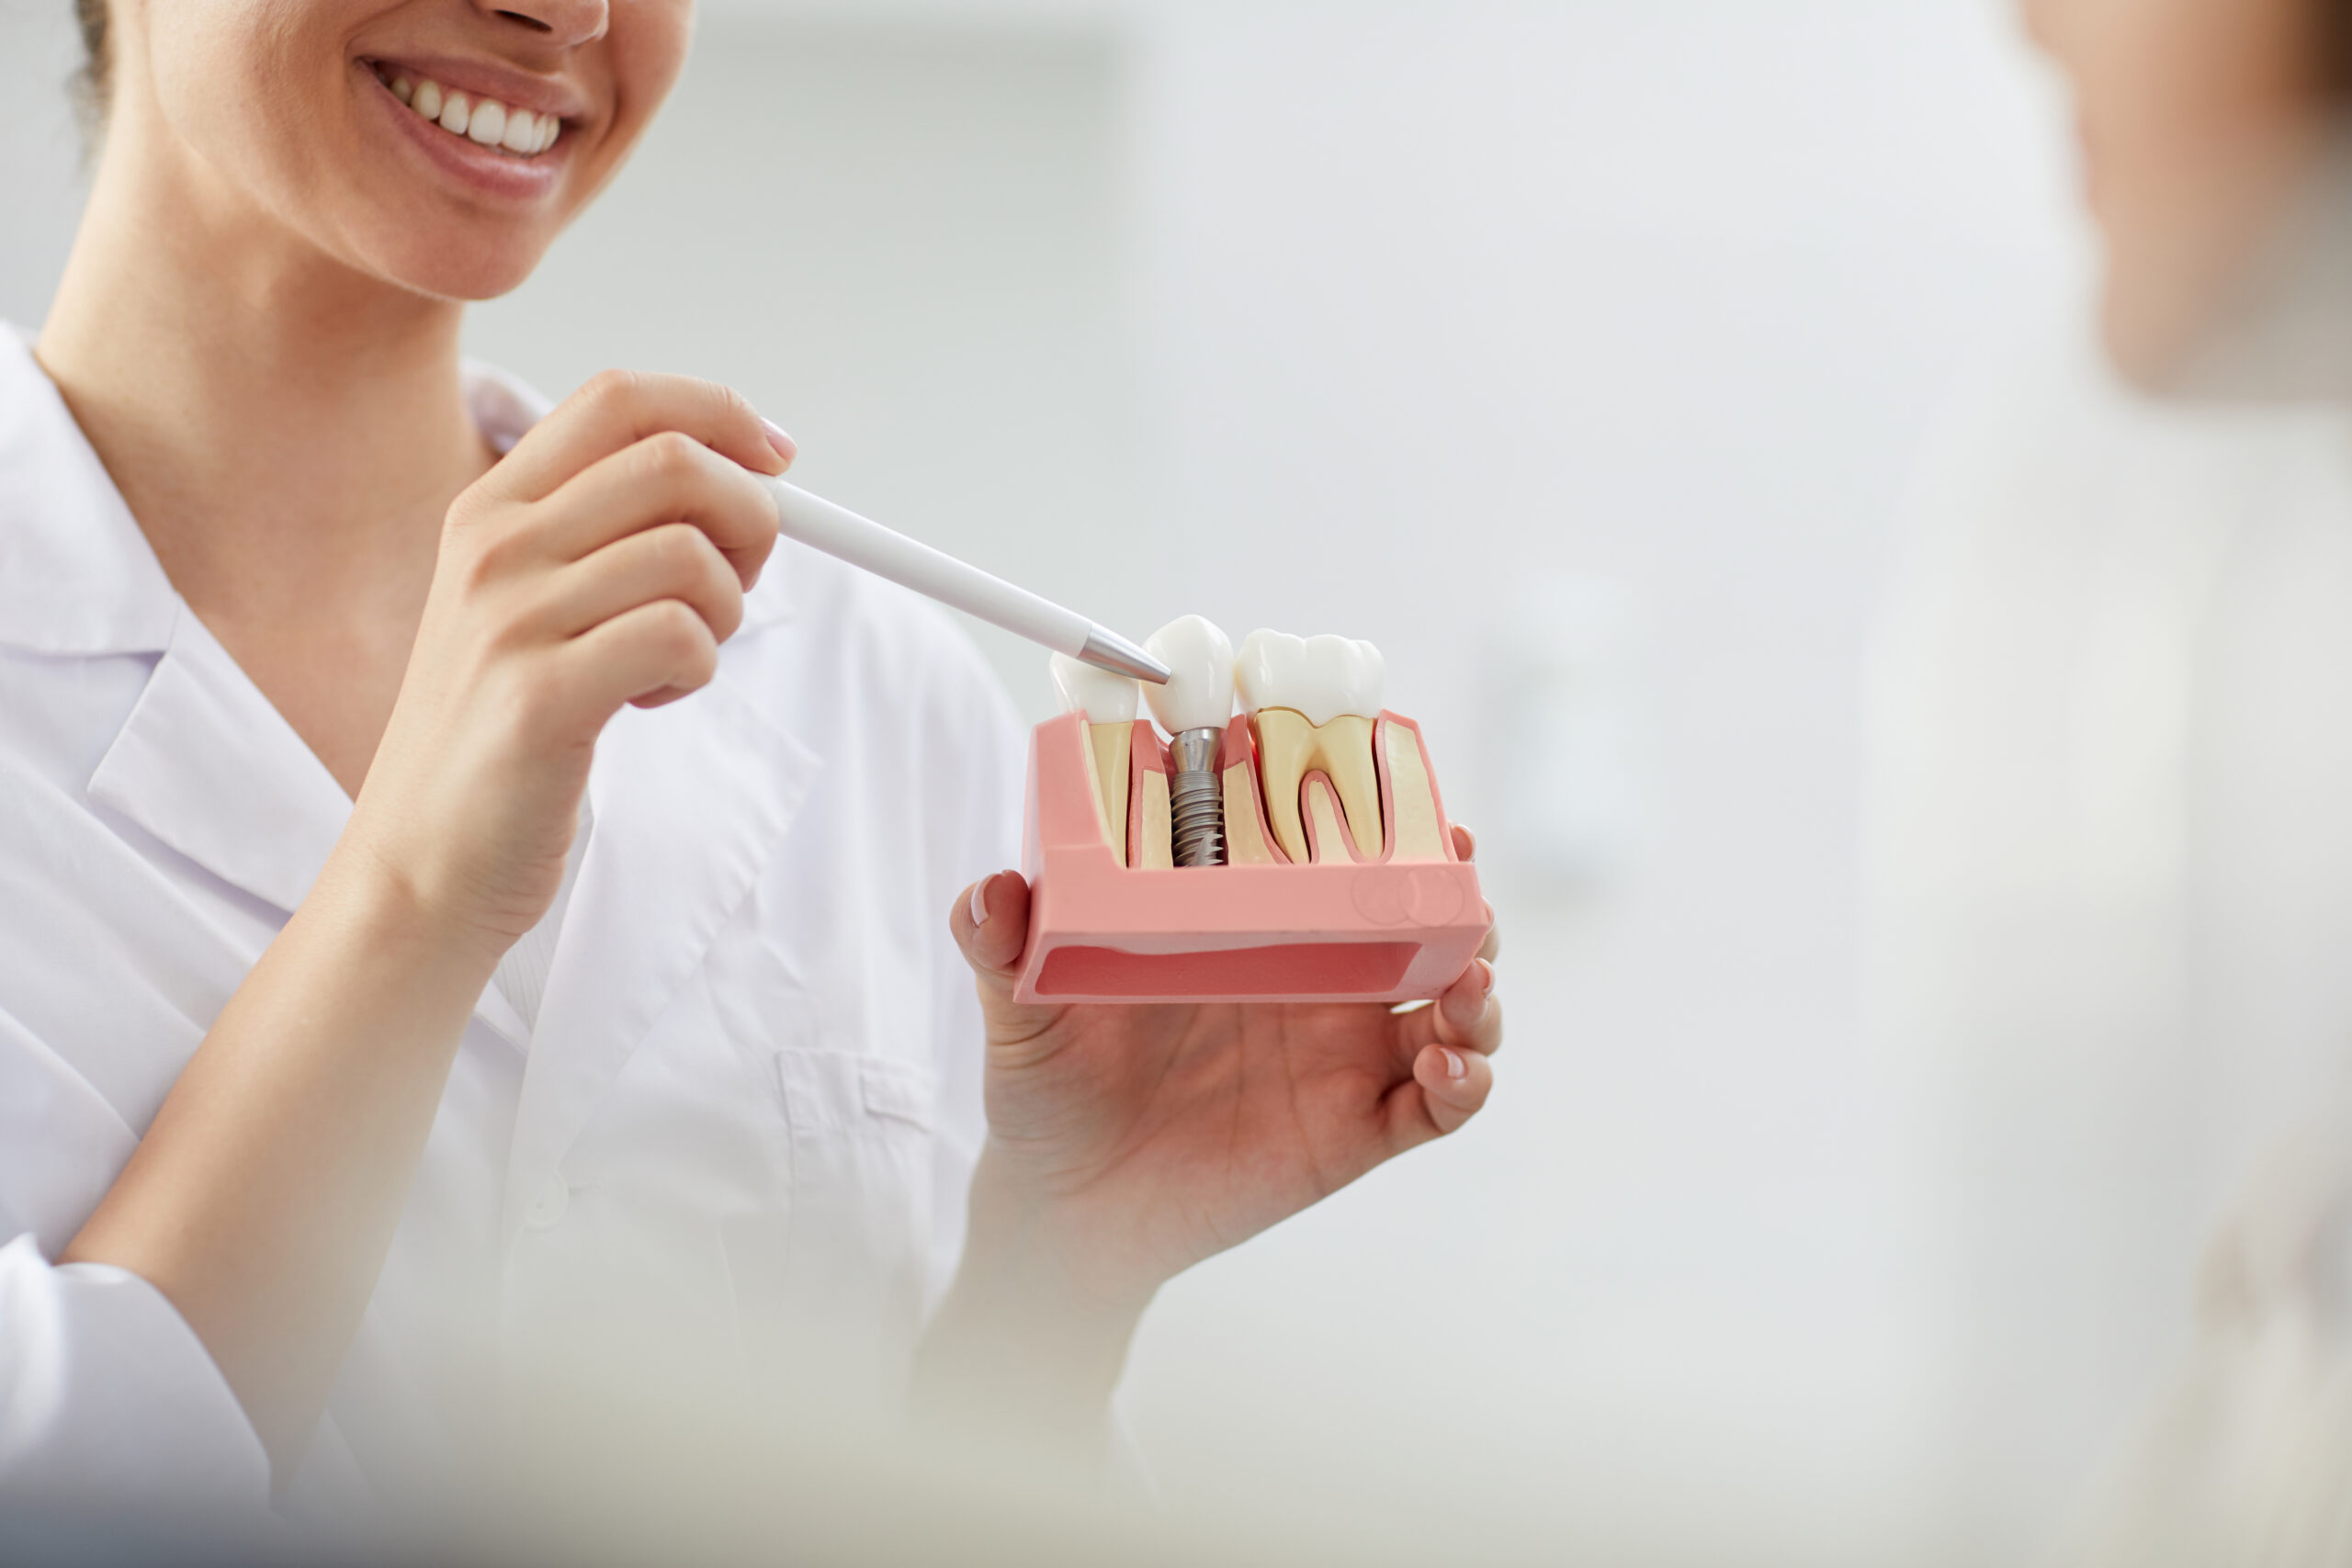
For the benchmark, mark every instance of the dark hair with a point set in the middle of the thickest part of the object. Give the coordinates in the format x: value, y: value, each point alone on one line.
x: 97, y: 77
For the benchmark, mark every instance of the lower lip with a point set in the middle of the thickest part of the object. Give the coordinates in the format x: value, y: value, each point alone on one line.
x: 481, y: 168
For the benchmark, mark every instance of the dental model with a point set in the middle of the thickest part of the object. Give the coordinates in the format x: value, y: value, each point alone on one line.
x: 1312, y: 703
x: 1338, y: 880
x: 1109, y: 702
x: 1193, y: 707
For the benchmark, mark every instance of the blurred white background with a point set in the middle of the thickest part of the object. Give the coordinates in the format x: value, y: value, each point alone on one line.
x: 1579, y: 353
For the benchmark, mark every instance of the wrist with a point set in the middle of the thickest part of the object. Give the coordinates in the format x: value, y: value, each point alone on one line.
x: 1025, y: 1345
x: 384, y: 905
x: 1043, y: 1252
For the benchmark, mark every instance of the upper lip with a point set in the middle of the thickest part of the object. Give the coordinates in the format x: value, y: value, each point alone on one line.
x: 489, y: 79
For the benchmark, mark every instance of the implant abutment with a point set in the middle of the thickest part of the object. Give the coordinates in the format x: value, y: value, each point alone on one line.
x: 1196, y: 798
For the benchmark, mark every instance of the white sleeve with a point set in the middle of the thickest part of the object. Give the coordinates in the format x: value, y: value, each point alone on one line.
x: 107, y: 1399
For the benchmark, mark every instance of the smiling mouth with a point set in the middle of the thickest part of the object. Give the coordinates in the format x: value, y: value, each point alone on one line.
x: 518, y: 133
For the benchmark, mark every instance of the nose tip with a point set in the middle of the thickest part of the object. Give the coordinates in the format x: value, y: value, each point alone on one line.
x: 564, y: 22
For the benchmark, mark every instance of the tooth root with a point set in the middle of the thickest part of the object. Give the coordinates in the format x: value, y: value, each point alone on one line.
x: 1343, y: 748
x: 1285, y: 749
x: 1323, y: 822
x: 1289, y: 748
x: 1154, y: 827
x: 1107, y: 761
x: 1246, y: 841
x: 1421, y: 832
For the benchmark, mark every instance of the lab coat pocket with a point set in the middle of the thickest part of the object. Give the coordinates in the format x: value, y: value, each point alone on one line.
x: 859, y: 1129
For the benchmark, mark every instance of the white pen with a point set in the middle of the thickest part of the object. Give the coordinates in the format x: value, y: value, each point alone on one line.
x: 843, y: 535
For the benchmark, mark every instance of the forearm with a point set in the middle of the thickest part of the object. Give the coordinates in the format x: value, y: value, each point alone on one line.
x: 1018, y: 1355
x: 263, y: 1197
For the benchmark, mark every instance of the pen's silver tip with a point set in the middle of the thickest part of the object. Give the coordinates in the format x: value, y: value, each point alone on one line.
x: 1106, y: 649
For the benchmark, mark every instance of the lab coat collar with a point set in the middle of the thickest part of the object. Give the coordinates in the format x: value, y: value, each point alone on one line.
x: 77, y: 575
x: 208, y: 767
x: 690, y: 802
x: 203, y: 762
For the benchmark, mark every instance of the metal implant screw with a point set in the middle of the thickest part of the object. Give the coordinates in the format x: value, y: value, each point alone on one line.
x: 1196, y: 798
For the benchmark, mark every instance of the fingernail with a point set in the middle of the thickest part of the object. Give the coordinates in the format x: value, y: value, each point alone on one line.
x: 785, y: 446
x: 980, y: 900
x: 1487, y: 974
x: 1456, y: 1068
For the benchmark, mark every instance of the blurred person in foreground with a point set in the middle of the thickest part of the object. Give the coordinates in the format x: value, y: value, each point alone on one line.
x: 496, y: 952
x: 2113, y: 829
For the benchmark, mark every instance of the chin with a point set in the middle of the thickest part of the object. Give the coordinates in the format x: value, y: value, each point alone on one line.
x: 467, y: 271
x: 2155, y: 301
x: 2143, y: 355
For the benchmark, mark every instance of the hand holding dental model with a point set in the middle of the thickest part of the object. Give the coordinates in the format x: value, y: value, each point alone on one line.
x: 1159, y: 1085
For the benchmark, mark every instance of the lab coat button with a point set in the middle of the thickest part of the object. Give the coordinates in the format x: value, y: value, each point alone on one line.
x: 546, y: 1210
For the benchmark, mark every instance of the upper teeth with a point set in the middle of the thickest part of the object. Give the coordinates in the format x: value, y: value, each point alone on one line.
x: 1199, y: 692
x: 1322, y: 677
x: 485, y: 121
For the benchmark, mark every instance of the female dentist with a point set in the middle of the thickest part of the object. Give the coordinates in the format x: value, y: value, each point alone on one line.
x: 469, y: 897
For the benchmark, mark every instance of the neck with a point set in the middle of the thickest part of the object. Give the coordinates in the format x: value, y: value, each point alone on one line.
x: 288, y: 430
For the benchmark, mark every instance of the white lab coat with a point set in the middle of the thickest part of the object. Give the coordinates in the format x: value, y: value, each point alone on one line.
x: 733, y: 1152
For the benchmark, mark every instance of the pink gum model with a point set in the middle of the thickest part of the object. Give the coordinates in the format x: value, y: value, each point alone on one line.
x: 1336, y: 931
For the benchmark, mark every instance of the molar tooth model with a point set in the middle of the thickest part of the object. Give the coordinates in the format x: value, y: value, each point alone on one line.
x: 1298, y: 853
x: 1314, y: 703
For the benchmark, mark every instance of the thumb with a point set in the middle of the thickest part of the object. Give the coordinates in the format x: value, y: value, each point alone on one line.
x: 991, y: 923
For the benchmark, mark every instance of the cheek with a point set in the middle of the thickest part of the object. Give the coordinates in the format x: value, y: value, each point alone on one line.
x: 646, y: 51
x: 258, y: 93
